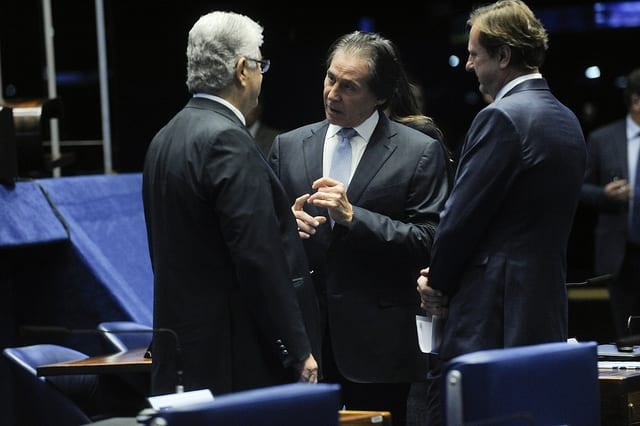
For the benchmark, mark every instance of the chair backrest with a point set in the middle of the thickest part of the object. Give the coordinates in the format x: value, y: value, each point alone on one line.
x: 551, y: 383
x: 283, y: 405
x: 59, y: 400
x: 126, y: 335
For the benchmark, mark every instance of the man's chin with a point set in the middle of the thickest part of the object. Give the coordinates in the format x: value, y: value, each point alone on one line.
x: 333, y: 118
x: 332, y: 114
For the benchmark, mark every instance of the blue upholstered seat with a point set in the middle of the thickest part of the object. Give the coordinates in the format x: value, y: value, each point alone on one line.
x: 284, y: 405
x: 545, y: 384
x: 126, y: 335
x: 58, y: 400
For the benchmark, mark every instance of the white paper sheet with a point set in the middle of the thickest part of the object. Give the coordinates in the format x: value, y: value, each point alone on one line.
x: 181, y: 399
x: 429, y: 332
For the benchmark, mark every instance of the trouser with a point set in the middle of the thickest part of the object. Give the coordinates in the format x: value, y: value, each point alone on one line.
x: 390, y: 397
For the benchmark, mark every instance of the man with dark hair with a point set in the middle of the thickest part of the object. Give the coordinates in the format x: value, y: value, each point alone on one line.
x: 368, y: 224
x: 612, y: 187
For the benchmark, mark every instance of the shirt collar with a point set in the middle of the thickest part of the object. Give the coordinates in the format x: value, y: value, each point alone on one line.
x: 633, y: 129
x: 365, y: 129
x: 224, y: 102
x: 513, y: 83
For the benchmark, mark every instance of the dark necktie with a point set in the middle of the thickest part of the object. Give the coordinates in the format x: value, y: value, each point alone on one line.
x: 634, y: 223
x: 341, y: 161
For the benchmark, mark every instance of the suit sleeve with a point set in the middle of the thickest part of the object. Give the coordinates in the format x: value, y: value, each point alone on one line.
x: 412, y: 234
x: 597, y: 176
x: 488, y: 165
x: 241, y: 195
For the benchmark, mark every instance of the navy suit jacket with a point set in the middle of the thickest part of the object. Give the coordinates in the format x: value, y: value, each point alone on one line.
x: 500, y: 248
x: 607, y: 160
x: 366, y: 275
x: 227, y: 260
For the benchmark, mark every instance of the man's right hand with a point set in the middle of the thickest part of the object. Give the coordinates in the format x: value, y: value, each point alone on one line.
x: 618, y: 189
x: 307, y: 224
x: 433, y: 301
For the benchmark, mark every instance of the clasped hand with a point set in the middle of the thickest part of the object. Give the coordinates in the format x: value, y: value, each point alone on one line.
x: 330, y: 194
x: 431, y: 300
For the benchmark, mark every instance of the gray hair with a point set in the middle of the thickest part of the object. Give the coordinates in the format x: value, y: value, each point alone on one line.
x: 216, y: 41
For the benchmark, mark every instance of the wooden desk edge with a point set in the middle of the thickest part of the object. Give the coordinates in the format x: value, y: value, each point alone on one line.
x: 132, y: 361
x: 357, y: 417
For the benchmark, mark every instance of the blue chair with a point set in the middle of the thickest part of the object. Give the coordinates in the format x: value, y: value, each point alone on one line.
x: 545, y: 384
x: 126, y: 335
x: 59, y: 400
x: 285, y: 405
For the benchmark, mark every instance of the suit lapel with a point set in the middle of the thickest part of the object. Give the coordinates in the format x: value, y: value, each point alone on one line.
x: 619, y: 151
x: 312, y: 148
x: 379, y: 149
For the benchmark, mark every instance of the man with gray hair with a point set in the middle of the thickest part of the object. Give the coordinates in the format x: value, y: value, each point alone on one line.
x: 230, y: 274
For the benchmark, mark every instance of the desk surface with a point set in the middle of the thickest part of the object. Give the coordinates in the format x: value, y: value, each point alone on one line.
x: 619, y: 375
x: 346, y: 418
x: 132, y: 361
x: 355, y: 417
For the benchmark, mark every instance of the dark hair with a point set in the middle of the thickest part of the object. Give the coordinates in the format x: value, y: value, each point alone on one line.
x: 429, y: 127
x: 633, y: 86
x: 424, y: 124
x: 404, y: 102
x: 388, y: 80
x: 386, y: 72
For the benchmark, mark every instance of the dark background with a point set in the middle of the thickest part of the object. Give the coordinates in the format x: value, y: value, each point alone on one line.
x: 146, y: 44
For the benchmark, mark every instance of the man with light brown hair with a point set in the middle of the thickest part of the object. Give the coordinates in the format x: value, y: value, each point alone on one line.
x: 498, y: 265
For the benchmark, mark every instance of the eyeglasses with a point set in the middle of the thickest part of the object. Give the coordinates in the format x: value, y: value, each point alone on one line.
x: 264, y: 64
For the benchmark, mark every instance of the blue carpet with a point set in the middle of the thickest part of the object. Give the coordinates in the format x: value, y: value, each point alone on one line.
x: 27, y: 218
x: 105, y: 218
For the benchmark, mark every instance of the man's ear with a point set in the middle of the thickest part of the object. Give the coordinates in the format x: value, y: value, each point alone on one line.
x: 241, y: 71
x: 504, y: 55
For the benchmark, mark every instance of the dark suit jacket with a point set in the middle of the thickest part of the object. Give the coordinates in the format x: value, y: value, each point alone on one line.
x: 500, y: 248
x: 226, y: 257
x: 607, y: 160
x: 366, y: 275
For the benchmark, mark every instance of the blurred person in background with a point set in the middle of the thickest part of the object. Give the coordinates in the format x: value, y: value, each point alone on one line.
x: 611, y: 186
